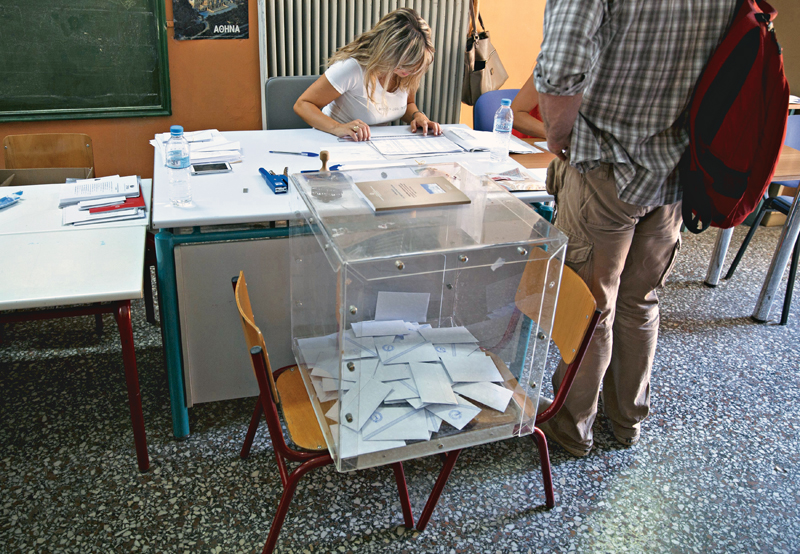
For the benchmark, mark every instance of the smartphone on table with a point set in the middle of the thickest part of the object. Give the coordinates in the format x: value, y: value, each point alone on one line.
x: 208, y: 168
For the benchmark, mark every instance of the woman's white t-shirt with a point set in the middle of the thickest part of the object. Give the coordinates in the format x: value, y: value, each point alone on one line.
x: 347, y: 77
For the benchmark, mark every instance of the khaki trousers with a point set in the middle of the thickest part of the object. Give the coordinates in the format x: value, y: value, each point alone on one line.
x: 624, y: 253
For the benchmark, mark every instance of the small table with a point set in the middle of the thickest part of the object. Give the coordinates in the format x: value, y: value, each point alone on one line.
x: 788, y: 169
x: 46, y: 264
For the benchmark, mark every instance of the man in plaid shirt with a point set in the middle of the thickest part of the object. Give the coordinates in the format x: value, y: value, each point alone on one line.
x: 614, y: 81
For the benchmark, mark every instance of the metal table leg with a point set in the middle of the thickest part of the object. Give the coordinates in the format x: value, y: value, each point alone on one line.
x: 170, y: 327
x: 718, y: 257
x: 166, y: 241
x: 777, y: 266
x: 123, y: 317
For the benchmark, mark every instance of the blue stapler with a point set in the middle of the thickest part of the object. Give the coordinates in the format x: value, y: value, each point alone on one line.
x: 278, y: 183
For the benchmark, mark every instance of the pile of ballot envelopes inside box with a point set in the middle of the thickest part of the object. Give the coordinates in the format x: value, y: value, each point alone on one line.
x: 400, y: 382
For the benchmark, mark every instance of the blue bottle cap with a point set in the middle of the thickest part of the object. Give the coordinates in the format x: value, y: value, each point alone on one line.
x: 505, y: 102
x: 176, y: 130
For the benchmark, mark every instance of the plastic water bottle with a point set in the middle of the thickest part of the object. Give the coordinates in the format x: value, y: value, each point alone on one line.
x: 178, y: 168
x: 503, y: 122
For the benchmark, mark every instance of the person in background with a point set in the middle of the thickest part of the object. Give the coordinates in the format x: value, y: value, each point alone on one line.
x: 614, y: 82
x: 373, y: 80
x: 527, y: 119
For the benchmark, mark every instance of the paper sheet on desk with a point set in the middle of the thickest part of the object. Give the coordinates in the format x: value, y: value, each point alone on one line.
x: 352, y: 152
x: 205, y: 146
x: 409, y: 145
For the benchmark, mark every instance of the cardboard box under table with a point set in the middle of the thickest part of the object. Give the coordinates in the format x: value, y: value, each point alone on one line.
x: 423, y: 330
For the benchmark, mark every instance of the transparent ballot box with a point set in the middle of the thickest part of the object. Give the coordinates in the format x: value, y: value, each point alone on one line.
x: 423, y: 328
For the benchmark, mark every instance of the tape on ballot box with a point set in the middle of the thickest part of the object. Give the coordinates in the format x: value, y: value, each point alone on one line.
x: 278, y: 183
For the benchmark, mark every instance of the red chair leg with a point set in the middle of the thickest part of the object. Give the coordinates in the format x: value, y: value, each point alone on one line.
x: 544, y: 456
x: 123, y: 317
x: 286, y: 498
x: 251, y: 430
x: 438, y: 487
x: 402, y: 491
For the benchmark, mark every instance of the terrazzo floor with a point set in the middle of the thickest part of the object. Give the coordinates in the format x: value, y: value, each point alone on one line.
x: 716, y: 469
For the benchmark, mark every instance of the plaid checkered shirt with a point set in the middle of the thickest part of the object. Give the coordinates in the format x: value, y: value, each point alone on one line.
x: 636, y: 63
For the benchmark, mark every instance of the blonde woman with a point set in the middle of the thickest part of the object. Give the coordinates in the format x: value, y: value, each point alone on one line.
x: 373, y: 80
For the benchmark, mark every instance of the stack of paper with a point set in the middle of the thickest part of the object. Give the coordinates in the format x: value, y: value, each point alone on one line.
x: 204, y: 146
x: 100, y: 200
x: 399, y: 381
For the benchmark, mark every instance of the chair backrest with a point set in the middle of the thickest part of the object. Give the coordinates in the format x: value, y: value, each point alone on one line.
x: 252, y: 333
x: 280, y: 94
x: 486, y: 106
x: 575, y: 306
x: 48, y: 150
x: 793, y: 132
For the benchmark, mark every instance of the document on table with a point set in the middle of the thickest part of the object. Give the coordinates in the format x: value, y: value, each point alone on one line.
x: 101, y: 187
x: 205, y: 146
x: 408, y: 146
x: 457, y: 416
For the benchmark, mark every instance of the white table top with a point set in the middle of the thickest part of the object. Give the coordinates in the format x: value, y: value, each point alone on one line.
x: 220, y: 199
x: 47, y: 264
x: 38, y: 211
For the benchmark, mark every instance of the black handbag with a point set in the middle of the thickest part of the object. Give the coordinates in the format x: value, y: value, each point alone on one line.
x: 483, y: 70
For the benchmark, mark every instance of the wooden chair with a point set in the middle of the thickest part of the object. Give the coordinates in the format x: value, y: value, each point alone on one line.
x: 69, y: 150
x: 285, y: 389
x: 575, y: 321
x: 48, y: 150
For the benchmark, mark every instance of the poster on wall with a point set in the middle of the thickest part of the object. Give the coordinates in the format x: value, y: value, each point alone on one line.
x: 210, y: 19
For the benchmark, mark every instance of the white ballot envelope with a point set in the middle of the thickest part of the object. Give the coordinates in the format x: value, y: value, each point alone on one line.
x: 432, y: 383
x: 448, y: 335
x: 402, y: 389
x: 352, y: 444
x: 457, y: 416
x: 488, y: 394
x: 333, y: 412
x: 322, y: 394
x: 414, y: 349
x: 329, y: 385
x: 360, y: 404
x: 434, y: 422
x: 379, y: 328
x: 361, y: 370
x: 326, y: 366
x: 358, y: 347
x: 313, y: 348
x: 455, y: 350
x: 471, y: 369
x: 406, y: 306
x: 396, y: 423
x: 392, y: 372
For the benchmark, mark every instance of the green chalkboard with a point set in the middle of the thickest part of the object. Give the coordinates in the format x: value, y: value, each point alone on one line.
x: 80, y: 59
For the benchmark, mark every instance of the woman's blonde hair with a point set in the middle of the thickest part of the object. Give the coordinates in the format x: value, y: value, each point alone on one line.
x: 400, y: 40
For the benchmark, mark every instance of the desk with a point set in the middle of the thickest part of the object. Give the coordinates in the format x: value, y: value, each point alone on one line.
x: 227, y: 225
x: 46, y: 264
x: 534, y: 161
x: 788, y: 169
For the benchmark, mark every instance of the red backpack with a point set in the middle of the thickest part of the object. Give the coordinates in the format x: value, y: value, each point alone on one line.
x: 737, y: 123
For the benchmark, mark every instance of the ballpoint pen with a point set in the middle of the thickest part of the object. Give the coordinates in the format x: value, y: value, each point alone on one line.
x: 307, y: 154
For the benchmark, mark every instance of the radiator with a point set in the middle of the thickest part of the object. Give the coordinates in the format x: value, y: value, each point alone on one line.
x: 296, y: 37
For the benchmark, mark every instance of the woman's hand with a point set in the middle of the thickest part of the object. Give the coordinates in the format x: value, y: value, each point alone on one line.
x: 356, y: 129
x: 421, y: 121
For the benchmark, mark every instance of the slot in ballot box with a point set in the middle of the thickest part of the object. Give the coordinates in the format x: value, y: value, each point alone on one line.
x: 425, y: 329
